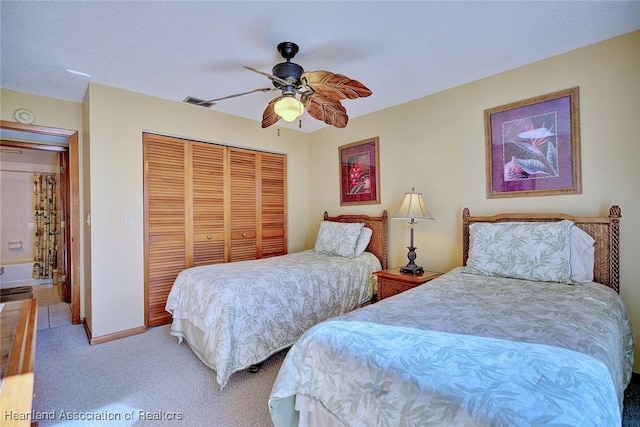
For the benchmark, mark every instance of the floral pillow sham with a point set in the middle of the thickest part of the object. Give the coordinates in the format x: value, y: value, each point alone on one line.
x: 535, y: 251
x: 338, y: 238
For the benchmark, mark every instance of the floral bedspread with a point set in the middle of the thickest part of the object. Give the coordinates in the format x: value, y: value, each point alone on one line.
x: 467, y: 350
x: 250, y: 310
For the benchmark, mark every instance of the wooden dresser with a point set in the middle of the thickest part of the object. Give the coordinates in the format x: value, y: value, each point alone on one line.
x: 18, y: 323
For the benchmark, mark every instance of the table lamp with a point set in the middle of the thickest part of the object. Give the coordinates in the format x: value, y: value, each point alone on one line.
x: 412, y: 209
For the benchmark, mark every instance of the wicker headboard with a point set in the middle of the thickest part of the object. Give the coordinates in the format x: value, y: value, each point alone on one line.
x: 605, y: 231
x: 379, y: 224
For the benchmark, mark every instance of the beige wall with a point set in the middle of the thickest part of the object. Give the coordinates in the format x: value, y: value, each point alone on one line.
x: 436, y: 144
x: 47, y: 111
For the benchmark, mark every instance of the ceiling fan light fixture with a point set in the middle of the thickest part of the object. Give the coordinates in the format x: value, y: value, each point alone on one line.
x: 288, y: 108
x: 317, y: 92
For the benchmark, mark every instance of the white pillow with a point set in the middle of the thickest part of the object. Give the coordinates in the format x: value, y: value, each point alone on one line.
x: 538, y: 251
x: 582, y: 254
x: 338, y: 238
x: 363, y: 240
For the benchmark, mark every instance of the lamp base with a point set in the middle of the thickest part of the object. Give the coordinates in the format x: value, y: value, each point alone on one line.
x: 413, y: 269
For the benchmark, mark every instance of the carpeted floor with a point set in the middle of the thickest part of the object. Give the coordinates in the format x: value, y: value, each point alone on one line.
x: 631, y: 412
x: 143, y: 377
x: 150, y: 380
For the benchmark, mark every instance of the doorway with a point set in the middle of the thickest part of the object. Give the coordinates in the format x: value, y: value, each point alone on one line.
x: 40, y: 139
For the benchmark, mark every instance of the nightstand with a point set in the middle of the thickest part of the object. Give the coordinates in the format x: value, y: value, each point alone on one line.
x: 392, y: 282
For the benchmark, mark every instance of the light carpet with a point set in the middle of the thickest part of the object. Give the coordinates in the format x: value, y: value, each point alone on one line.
x: 143, y: 380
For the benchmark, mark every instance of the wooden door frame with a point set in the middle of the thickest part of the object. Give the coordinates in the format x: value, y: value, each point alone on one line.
x: 73, y: 243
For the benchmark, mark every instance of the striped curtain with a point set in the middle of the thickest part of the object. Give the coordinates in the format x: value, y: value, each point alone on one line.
x: 45, y: 245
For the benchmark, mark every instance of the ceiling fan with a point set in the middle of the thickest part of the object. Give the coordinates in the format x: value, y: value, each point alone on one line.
x: 319, y: 92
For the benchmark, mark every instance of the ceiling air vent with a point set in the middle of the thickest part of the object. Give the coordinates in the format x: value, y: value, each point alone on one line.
x: 198, y: 102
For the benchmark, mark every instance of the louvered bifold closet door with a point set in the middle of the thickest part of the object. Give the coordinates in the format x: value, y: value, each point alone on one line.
x: 208, y: 203
x: 273, y: 204
x: 243, y: 205
x: 164, y: 191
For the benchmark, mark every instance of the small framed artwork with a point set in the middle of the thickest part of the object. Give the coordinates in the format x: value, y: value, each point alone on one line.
x: 359, y: 173
x: 533, y: 146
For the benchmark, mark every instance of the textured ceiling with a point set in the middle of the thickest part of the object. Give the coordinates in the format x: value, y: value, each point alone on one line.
x: 400, y: 50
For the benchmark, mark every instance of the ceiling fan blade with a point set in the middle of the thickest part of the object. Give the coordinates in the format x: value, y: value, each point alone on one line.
x: 264, y: 89
x: 334, y: 86
x: 330, y: 111
x: 272, y: 77
x: 269, y: 117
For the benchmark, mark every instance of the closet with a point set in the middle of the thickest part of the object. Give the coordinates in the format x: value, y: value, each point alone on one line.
x: 206, y: 204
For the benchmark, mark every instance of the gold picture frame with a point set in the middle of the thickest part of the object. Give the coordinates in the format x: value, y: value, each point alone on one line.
x: 533, y: 146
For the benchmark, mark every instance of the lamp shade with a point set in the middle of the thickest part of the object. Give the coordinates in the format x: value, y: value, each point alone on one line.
x: 413, y: 207
x: 288, y: 108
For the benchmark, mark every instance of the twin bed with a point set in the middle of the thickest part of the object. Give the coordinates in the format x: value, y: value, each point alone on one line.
x: 235, y: 315
x: 529, y: 331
